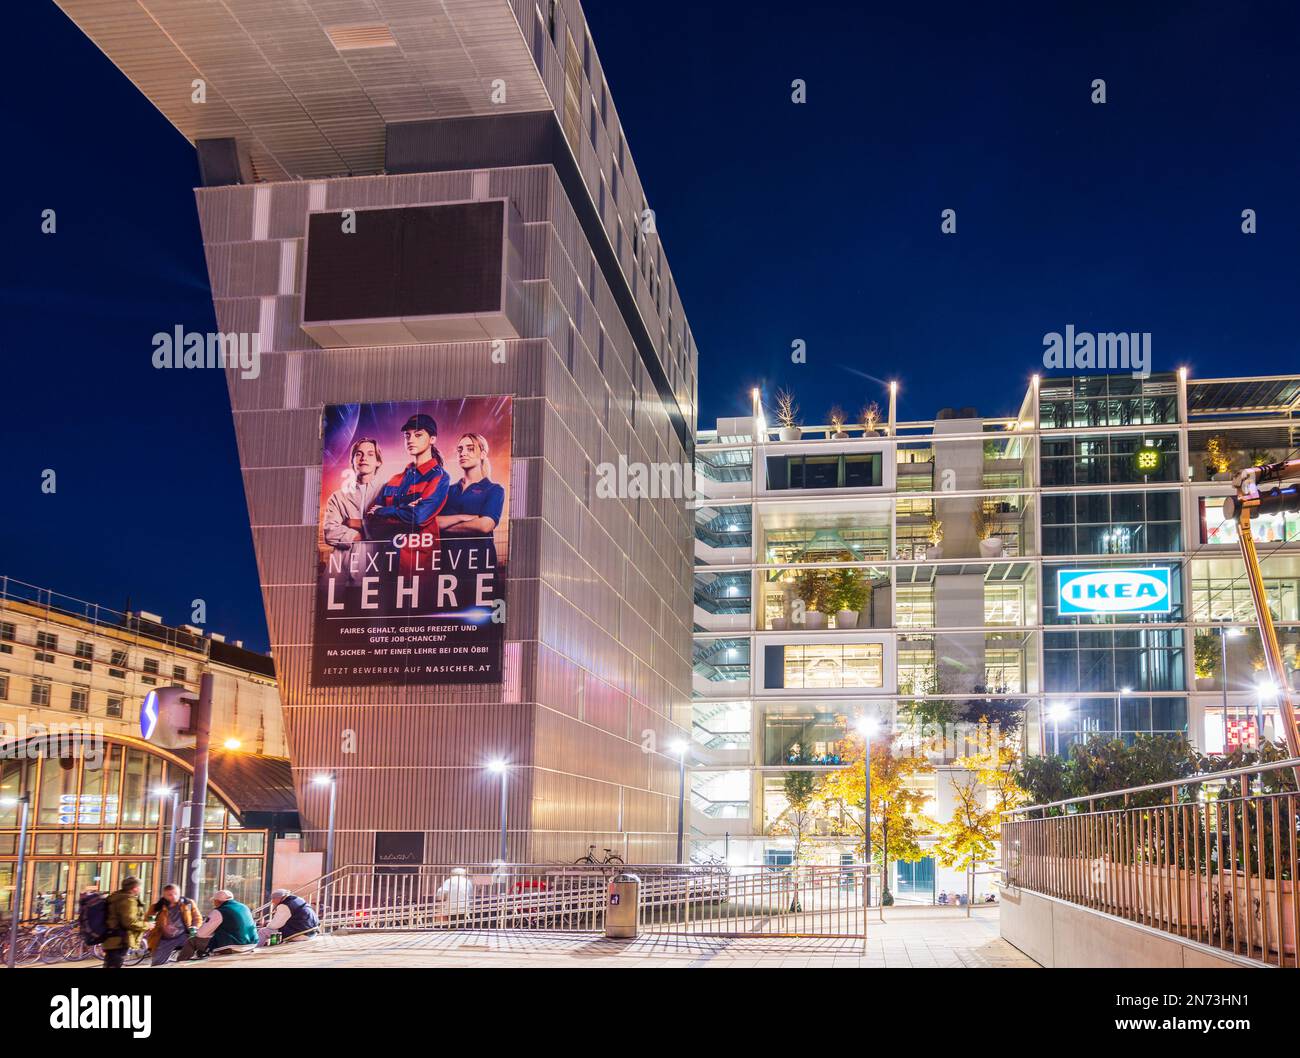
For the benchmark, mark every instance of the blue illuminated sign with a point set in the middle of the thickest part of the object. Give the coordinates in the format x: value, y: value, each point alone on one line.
x: 1113, y: 591
x: 148, y: 715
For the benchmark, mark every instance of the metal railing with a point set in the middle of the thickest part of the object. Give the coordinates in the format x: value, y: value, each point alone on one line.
x: 1211, y: 858
x: 696, y: 899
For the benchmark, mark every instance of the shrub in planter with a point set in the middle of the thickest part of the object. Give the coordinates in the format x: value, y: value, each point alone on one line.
x: 813, y: 587
x: 787, y: 414
x: 982, y: 521
x: 836, y: 417
x: 935, y: 536
x: 849, y: 593
x: 870, y: 416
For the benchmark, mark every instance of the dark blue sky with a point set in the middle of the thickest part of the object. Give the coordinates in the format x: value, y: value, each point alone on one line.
x: 818, y: 222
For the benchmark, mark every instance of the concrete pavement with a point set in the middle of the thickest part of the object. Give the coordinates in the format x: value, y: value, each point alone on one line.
x: 909, y: 937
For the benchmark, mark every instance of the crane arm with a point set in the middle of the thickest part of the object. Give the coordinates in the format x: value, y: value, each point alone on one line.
x: 1280, y: 481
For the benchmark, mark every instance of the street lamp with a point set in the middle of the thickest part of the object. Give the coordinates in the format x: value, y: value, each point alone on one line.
x: 1263, y: 689
x: 175, y: 794
x: 1056, y: 712
x: 501, y: 767
x: 15, y: 905
x: 866, y: 727
x: 680, y: 746
x: 1224, y: 633
x: 231, y: 743
x: 327, y: 779
x: 1119, y: 709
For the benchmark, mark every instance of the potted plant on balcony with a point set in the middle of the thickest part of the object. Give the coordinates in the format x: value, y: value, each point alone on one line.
x: 812, y: 586
x: 870, y: 416
x: 1218, y: 461
x: 782, y: 592
x: 935, y: 536
x: 990, y: 545
x: 836, y: 416
x: 849, y: 594
x: 1206, y: 659
x: 787, y: 414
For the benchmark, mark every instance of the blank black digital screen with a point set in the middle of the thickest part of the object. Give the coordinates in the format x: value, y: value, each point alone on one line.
x: 409, y: 261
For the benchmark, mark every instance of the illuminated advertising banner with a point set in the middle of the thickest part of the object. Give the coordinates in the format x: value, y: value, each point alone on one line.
x: 1113, y: 591
x: 412, y: 542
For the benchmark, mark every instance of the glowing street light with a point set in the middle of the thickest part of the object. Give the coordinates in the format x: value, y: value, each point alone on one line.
x: 24, y: 800
x: 1056, y: 712
x: 327, y: 779
x: 866, y: 726
x: 502, y: 768
x: 680, y: 746
x: 175, y: 794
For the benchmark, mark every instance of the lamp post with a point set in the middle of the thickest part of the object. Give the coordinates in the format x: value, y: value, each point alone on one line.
x: 1263, y: 689
x: 327, y: 779
x: 680, y: 747
x: 175, y: 794
x: 24, y: 800
x: 1056, y: 712
x: 866, y: 728
x: 1224, y: 633
x: 501, y: 768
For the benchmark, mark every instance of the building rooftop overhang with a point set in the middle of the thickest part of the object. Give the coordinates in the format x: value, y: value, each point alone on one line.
x: 1271, y: 394
x: 308, y: 87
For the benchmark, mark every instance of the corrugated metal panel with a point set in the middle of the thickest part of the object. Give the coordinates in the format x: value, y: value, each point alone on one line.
x: 588, y: 590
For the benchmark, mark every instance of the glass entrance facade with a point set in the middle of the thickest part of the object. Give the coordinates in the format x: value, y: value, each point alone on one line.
x: 98, y: 819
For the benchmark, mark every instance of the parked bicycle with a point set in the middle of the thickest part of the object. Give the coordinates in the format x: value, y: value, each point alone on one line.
x: 611, y: 857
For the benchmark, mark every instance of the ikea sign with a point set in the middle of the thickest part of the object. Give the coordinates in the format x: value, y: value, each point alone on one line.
x: 1112, y: 591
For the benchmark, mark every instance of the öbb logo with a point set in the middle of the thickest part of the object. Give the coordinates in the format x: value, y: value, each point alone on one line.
x: 1113, y: 591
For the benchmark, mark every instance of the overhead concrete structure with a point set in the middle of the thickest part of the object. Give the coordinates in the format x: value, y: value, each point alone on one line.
x: 314, y: 108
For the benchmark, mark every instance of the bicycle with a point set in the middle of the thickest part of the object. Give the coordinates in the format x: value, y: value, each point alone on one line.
x: 611, y: 857
x: 31, y: 937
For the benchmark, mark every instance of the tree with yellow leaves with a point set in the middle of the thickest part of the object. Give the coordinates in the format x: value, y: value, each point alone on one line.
x: 898, y: 821
x: 970, y: 837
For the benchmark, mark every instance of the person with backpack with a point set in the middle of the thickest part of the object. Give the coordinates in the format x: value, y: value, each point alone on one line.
x: 92, y: 917
x: 176, y: 919
x: 124, y: 923
x: 292, y: 917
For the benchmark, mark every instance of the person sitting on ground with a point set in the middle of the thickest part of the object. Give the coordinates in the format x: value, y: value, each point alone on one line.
x: 228, y: 929
x: 291, y: 917
x: 176, y: 919
x: 456, y: 893
x: 943, y: 896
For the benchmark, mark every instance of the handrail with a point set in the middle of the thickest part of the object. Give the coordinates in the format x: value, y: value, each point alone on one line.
x: 1191, y: 780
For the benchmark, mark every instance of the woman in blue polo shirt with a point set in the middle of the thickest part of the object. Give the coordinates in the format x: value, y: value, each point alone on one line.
x: 475, y: 502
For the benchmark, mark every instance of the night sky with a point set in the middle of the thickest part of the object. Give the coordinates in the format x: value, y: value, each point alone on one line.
x: 818, y: 222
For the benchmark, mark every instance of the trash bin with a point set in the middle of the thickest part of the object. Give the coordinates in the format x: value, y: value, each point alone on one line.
x: 621, y: 906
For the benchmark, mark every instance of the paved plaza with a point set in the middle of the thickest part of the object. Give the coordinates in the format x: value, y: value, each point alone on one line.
x: 907, y: 938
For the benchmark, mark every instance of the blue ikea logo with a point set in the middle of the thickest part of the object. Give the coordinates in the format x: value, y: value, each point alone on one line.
x: 1113, y: 591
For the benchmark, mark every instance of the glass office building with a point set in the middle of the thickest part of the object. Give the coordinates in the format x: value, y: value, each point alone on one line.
x: 911, y: 572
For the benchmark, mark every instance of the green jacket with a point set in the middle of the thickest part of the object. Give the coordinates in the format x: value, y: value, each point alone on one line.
x: 237, y: 926
x: 125, y: 920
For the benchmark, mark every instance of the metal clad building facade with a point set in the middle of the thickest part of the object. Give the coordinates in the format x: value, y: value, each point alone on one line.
x: 600, y: 365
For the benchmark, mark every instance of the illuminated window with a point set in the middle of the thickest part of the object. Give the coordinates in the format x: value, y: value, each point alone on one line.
x: 914, y: 606
x: 827, y: 666
x: 1004, y: 604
